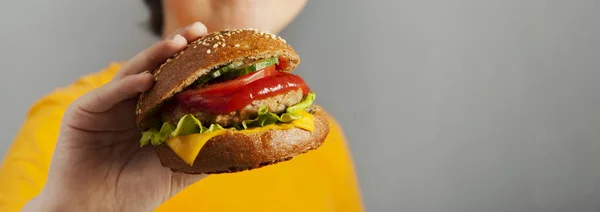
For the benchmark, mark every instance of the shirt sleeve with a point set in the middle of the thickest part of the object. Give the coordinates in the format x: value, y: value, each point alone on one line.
x: 24, y: 168
x: 25, y: 165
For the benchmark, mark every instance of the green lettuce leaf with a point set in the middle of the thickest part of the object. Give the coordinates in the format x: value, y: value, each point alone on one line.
x: 307, y: 102
x: 189, y: 124
x: 213, y: 127
x: 156, y: 137
x: 265, y: 118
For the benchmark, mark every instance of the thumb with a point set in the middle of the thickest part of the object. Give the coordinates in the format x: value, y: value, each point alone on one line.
x: 116, y: 91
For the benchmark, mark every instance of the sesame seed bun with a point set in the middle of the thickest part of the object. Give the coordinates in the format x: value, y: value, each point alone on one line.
x: 235, y: 152
x: 232, y: 151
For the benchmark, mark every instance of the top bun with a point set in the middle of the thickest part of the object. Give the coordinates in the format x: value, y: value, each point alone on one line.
x: 201, y: 56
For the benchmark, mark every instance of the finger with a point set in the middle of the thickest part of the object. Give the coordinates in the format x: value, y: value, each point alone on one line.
x: 161, y: 51
x: 123, y: 112
x: 190, y: 32
x: 152, y: 57
x: 107, y: 96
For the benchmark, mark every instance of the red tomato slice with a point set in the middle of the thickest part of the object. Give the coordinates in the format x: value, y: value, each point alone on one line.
x: 231, y: 85
x: 283, y: 63
x: 237, y: 95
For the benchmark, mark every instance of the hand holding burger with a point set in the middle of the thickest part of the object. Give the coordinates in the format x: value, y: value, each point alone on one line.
x: 97, y: 163
x: 219, y: 103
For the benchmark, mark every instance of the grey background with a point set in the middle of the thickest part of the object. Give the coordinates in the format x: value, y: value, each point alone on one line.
x: 459, y: 105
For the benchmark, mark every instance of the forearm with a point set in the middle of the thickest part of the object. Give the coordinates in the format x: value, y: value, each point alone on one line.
x: 35, y: 205
x: 47, y: 203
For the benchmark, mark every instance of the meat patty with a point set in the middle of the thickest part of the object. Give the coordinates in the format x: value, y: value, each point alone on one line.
x: 276, y: 104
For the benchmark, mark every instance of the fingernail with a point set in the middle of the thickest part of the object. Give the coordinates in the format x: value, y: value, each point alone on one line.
x: 146, y: 72
x: 196, y: 24
x: 177, y: 36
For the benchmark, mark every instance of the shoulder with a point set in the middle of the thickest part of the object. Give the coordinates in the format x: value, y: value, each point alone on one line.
x: 63, y: 96
x: 85, y: 83
x: 39, y: 129
x: 336, y: 134
x: 42, y: 121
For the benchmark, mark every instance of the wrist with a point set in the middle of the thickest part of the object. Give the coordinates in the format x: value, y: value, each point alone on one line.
x: 51, y: 203
x: 40, y: 203
x: 61, y: 203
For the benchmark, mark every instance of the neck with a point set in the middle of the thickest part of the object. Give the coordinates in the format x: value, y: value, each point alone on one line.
x: 216, y: 15
x: 170, y: 23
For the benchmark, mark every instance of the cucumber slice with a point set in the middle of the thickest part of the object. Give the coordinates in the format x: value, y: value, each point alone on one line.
x: 251, y: 67
x: 237, y: 69
x: 218, y: 72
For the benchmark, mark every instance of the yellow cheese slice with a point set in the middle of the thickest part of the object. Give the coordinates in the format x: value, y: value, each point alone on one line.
x: 306, y: 122
x: 188, y: 147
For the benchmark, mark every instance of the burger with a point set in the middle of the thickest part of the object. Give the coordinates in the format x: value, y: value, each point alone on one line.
x: 227, y: 103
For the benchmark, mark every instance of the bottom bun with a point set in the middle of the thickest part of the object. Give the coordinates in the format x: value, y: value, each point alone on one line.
x: 234, y: 152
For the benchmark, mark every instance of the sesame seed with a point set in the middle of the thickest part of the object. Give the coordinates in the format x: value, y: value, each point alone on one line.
x: 208, y: 51
x: 216, y: 45
x: 223, y: 45
x: 206, y: 44
x: 195, y: 47
x: 237, y: 45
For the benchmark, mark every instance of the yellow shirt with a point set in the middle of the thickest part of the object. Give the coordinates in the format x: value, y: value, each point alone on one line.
x: 321, y: 180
